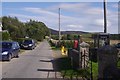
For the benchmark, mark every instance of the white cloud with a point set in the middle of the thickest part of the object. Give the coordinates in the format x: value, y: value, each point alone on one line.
x: 115, y: 5
x: 70, y: 6
x: 100, y: 22
x: 74, y: 26
x: 83, y: 17
x: 94, y: 11
x: 40, y: 11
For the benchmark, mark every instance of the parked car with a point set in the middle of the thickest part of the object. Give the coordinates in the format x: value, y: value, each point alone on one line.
x: 28, y: 44
x: 118, y: 45
x: 9, y: 50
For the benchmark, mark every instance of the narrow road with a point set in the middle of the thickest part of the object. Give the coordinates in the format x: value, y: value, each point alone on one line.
x: 31, y: 64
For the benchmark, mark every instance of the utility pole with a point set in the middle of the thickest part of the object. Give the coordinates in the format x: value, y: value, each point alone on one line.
x: 105, y: 18
x: 59, y: 27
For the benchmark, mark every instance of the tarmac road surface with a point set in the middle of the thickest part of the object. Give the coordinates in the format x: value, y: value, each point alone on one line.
x: 35, y: 63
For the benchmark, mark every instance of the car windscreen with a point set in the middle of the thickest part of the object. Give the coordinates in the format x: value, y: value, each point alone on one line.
x: 28, y: 41
x: 5, y: 45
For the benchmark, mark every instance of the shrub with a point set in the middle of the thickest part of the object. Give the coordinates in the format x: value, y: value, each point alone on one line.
x: 67, y: 44
x: 5, y: 35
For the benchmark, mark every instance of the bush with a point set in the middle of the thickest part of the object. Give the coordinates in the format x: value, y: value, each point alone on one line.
x: 20, y: 40
x: 67, y: 44
x: 5, y: 36
x: 56, y: 44
x: 51, y: 43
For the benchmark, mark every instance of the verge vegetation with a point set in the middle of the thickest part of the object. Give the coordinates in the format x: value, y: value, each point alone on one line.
x: 16, y: 29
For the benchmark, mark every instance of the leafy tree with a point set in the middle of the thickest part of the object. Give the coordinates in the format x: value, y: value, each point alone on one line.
x: 5, y: 35
x: 14, y: 27
x: 36, y: 30
x: 70, y: 36
x: 33, y: 29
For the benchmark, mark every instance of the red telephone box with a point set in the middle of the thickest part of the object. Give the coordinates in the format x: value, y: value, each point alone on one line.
x: 75, y: 44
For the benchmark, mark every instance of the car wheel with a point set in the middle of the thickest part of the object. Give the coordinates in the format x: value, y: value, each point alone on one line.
x: 9, y: 57
x: 34, y: 47
x: 31, y: 48
x: 17, y: 56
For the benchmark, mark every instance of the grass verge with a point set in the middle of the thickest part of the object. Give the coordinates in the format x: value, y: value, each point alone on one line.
x: 95, y: 70
x: 21, y: 51
x: 64, y: 66
x: 55, y: 48
x: 118, y: 63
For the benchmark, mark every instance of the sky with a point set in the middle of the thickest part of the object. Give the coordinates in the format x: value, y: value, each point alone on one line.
x: 75, y: 16
x: 58, y: 0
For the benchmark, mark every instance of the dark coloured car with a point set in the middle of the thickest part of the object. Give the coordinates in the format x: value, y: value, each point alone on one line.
x: 28, y: 44
x: 118, y: 45
x: 9, y: 50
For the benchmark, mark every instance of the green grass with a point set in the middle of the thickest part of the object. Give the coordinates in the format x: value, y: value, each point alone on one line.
x: 67, y: 71
x: 95, y: 70
x: 76, y: 73
x: 64, y: 64
x: 55, y: 48
x: 118, y: 63
x: 86, y: 35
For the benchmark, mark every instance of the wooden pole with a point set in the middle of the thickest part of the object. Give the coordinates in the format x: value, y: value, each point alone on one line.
x: 59, y: 27
x: 105, y: 18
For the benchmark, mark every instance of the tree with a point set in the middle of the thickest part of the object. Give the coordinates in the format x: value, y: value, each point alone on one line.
x: 14, y: 27
x: 33, y: 29
x: 36, y: 30
x: 5, y: 35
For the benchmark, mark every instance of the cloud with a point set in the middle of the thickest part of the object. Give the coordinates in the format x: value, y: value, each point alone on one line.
x: 24, y: 18
x: 74, y: 16
x: 100, y: 22
x: 69, y: 6
x: 74, y: 26
x: 115, y: 5
x: 94, y: 11
x: 39, y: 10
x: 51, y: 17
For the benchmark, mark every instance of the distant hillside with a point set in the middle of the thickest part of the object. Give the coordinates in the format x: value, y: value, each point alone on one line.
x: 55, y: 32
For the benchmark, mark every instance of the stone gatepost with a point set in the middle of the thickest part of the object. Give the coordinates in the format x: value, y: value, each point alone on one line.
x: 107, y: 61
x: 84, y: 49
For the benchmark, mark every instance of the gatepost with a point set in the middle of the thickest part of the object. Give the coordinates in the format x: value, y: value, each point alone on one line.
x: 84, y: 54
x: 107, y: 62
